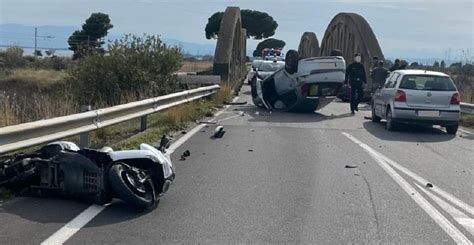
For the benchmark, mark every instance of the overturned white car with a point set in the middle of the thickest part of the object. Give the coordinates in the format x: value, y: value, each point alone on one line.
x: 302, y: 85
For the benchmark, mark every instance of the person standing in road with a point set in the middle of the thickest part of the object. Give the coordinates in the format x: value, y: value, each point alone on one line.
x: 355, y: 76
x: 378, y: 75
x: 396, y: 66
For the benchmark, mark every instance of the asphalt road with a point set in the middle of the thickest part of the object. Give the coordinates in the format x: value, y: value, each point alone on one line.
x: 283, y: 178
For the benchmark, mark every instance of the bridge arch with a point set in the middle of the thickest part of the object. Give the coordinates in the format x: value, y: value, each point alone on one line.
x: 309, y: 45
x: 230, y: 53
x: 351, y: 33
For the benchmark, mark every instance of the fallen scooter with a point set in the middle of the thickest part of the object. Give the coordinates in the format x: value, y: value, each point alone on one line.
x: 138, y: 177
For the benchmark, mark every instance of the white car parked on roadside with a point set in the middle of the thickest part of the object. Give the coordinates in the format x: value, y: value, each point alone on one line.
x: 417, y: 97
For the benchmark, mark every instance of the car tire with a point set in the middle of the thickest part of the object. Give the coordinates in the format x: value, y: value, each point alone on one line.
x: 375, y: 118
x: 390, y: 125
x: 452, y: 129
x: 140, y: 199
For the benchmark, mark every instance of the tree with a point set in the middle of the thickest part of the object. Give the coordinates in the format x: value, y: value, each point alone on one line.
x: 414, y: 64
x: 135, y: 66
x: 89, y: 39
x: 436, y: 64
x: 443, y: 64
x: 268, y: 43
x: 258, y: 24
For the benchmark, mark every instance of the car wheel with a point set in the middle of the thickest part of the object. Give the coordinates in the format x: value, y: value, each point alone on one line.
x: 453, y: 129
x: 127, y: 184
x: 375, y: 118
x: 391, y: 125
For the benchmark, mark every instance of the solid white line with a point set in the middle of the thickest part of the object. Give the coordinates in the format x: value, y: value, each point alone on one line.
x: 71, y: 228
x: 466, y: 207
x: 465, y: 131
x: 442, y: 221
x: 68, y: 230
x: 459, y: 216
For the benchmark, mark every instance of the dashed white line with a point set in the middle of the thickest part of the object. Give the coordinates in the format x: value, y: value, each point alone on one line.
x: 73, y: 226
x: 442, y: 221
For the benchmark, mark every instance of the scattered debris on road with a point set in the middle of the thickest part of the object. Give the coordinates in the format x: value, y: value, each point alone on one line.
x: 185, y: 154
x: 429, y: 185
x: 250, y: 150
x: 367, y: 118
x: 351, y: 166
x: 184, y: 132
x: 219, y: 132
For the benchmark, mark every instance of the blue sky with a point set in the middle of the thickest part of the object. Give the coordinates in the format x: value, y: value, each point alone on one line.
x: 416, y: 28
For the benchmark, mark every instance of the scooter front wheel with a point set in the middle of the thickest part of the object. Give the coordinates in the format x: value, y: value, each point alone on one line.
x: 130, y: 186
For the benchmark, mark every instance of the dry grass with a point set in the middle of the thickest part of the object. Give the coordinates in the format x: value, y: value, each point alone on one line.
x: 196, y: 66
x: 25, y: 78
x: 467, y: 120
x: 465, y: 85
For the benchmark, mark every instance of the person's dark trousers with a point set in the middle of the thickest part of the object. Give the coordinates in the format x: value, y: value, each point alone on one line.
x: 357, y: 92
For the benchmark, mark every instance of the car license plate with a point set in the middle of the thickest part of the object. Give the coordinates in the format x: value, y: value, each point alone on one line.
x: 314, y: 90
x: 327, y: 65
x: 428, y: 113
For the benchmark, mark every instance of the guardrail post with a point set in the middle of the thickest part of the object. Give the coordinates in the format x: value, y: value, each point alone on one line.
x: 84, y: 140
x: 143, y: 123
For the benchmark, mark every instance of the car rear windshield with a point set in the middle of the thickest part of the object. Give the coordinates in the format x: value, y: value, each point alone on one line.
x: 426, y: 82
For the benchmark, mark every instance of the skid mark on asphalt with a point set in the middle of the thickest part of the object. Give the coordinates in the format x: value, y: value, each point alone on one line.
x: 73, y: 226
x: 388, y: 165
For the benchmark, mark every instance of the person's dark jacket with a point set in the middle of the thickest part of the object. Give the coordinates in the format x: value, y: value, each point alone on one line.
x: 395, y: 67
x: 379, y: 75
x: 355, y: 74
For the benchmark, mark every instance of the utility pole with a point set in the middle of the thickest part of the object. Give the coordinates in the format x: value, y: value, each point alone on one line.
x: 36, y: 41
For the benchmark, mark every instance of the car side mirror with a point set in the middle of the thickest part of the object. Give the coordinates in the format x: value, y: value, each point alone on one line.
x: 291, y: 61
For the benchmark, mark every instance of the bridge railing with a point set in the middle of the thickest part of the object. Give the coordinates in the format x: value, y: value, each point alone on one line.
x: 467, y: 108
x: 34, y: 133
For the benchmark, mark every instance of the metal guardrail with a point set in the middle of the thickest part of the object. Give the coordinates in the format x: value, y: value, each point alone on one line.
x: 467, y: 108
x: 34, y: 133
x: 192, y: 79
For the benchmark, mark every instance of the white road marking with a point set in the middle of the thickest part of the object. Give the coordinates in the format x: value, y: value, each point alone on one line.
x: 71, y: 228
x: 459, y: 216
x: 466, y: 207
x: 442, y: 221
x: 465, y: 131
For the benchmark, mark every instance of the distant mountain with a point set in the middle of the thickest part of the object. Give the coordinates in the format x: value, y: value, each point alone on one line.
x: 55, y: 37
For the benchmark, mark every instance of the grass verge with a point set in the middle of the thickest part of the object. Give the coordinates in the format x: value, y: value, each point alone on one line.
x: 467, y: 120
x: 127, y: 136
x: 175, y: 119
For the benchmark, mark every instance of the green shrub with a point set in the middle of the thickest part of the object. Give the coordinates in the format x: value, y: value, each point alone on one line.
x: 13, y: 57
x: 143, y: 66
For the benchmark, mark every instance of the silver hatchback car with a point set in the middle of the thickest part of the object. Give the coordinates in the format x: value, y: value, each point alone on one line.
x: 418, y: 97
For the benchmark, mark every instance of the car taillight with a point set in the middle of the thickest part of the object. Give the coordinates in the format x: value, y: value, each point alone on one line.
x: 305, y: 89
x: 455, y: 100
x: 400, y: 96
